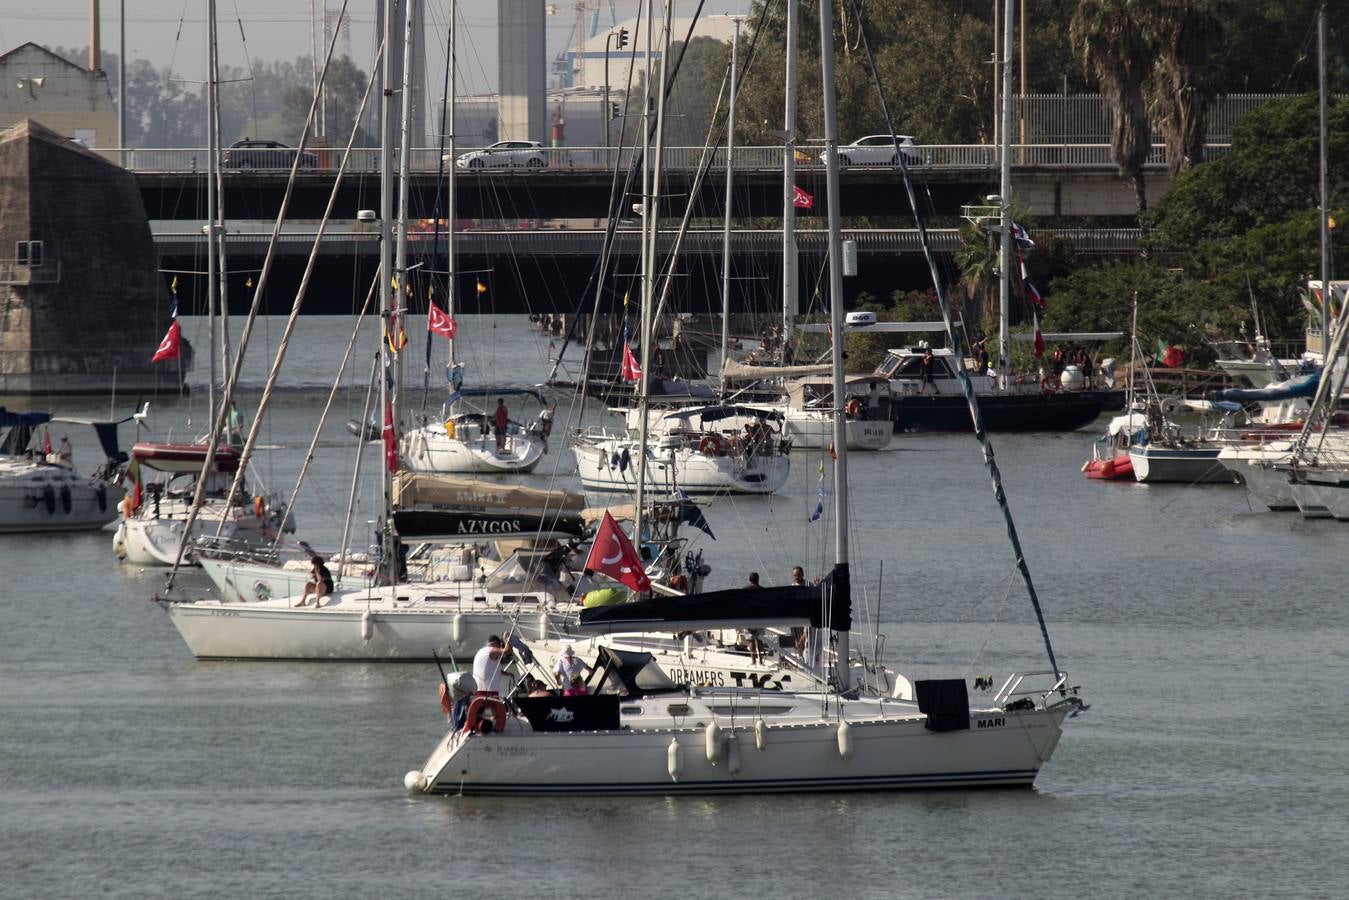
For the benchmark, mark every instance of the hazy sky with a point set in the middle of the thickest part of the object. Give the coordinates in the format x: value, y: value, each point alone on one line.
x: 173, y: 32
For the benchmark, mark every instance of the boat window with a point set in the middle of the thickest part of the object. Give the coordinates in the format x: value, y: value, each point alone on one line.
x: 728, y: 710
x: 440, y: 598
x: 677, y: 709
x: 888, y: 366
x: 631, y: 710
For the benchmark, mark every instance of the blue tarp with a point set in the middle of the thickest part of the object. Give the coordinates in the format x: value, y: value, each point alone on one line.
x: 1305, y: 386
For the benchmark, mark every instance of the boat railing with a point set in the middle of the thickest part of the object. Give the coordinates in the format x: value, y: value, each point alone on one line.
x: 1016, y: 687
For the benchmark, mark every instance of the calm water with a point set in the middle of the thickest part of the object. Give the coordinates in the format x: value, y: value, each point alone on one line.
x: 1210, y: 641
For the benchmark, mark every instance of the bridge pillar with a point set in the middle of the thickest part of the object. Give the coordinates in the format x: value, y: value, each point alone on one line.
x: 521, y: 71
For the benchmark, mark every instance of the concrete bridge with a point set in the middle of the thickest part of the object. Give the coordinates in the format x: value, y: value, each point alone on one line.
x: 576, y: 183
x: 550, y: 270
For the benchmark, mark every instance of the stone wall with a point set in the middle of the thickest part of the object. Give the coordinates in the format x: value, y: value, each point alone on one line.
x: 97, y: 307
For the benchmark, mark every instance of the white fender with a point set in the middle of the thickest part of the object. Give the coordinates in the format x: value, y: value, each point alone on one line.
x: 457, y: 628
x: 367, y: 625
x: 760, y: 734
x: 688, y: 647
x: 415, y: 781
x: 712, y: 740
x: 845, y: 740
x: 674, y: 760
x: 732, y: 753
x: 543, y: 625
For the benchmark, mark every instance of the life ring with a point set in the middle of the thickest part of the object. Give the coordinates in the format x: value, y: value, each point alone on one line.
x: 473, y: 722
x: 49, y: 498
x: 853, y: 407
x: 66, y: 502
x: 259, y: 507
x: 710, y: 445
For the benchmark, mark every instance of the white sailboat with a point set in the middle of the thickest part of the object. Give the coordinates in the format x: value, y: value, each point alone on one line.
x: 41, y: 491
x: 637, y: 732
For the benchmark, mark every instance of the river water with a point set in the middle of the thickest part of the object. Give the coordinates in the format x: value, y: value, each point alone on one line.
x: 1209, y: 637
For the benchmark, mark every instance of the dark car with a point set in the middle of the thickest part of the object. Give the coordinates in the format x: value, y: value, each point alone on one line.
x: 255, y: 154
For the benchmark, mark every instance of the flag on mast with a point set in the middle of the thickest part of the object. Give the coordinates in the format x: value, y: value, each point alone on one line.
x: 612, y: 554
x: 438, y: 322
x: 801, y: 199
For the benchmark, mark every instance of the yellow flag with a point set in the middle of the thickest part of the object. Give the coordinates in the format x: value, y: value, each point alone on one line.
x: 482, y: 288
x: 174, y: 285
x: 249, y: 282
x: 626, y: 295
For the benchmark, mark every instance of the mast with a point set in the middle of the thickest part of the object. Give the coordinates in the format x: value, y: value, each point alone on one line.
x: 650, y: 214
x: 842, y: 673
x: 789, y: 179
x: 212, y: 273
x: 1005, y: 192
x: 726, y: 224
x: 401, y: 242
x: 450, y: 210
x: 1325, y: 181
x: 385, y: 271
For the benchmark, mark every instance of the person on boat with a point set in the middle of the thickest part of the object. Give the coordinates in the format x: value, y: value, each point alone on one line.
x: 575, y: 688
x: 981, y: 356
x: 235, y: 426
x: 320, y: 582
x: 1058, y: 360
x: 536, y: 688
x: 569, y: 666
x: 799, y: 634
x: 64, y: 455
x: 925, y: 366
x: 488, y: 663
x: 751, y: 635
x: 502, y: 421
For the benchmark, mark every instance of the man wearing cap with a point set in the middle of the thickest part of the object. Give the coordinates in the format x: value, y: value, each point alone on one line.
x: 568, y: 665
x: 488, y: 663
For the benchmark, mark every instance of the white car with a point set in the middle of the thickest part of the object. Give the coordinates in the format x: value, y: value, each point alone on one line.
x: 505, y: 155
x: 877, y: 150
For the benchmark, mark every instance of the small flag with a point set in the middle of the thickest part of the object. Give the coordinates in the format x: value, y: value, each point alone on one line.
x: 1022, y: 237
x: 1039, y: 339
x: 173, y: 285
x: 801, y: 199
x: 629, y: 370
x: 395, y: 334
x: 1033, y: 294
x: 613, y: 554
x: 440, y: 323
x: 481, y: 288
x: 170, y: 346
x: 819, y: 511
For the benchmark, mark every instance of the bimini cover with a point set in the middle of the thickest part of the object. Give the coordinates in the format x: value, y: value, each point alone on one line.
x: 824, y: 605
x: 629, y: 673
x: 21, y: 427
x: 1304, y: 386
x: 527, y: 571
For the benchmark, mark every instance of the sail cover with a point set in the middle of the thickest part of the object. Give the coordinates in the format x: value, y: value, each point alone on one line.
x: 738, y: 371
x: 413, y: 489
x: 1304, y: 386
x: 824, y: 605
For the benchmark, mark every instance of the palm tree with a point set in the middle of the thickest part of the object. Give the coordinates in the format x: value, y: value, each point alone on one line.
x: 1185, y: 33
x: 1113, y: 48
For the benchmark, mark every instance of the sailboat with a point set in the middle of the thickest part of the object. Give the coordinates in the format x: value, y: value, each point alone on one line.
x: 151, y: 532
x: 637, y: 732
x: 40, y: 489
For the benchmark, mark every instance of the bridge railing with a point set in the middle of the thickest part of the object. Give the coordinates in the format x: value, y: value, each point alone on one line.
x: 934, y: 158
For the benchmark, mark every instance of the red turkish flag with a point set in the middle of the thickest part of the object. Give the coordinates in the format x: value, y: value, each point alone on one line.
x: 801, y: 199
x: 390, y: 435
x: 613, y: 555
x: 440, y: 323
x: 630, y: 370
x: 169, y: 347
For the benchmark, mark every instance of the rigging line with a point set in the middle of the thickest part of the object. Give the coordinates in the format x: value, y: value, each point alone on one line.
x: 220, y: 415
x: 248, y: 62
x: 967, y: 386
x: 323, y: 417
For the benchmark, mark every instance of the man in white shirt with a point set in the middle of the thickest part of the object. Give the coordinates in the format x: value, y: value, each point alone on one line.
x: 568, y: 664
x: 488, y: 663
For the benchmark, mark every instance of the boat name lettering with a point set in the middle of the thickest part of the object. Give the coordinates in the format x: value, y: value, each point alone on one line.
x: 509, y: 749
x: 709, y: 677
x: 762, y: 682
x: 477, y: 526
x: 224, y: 612
x: 992, y: 723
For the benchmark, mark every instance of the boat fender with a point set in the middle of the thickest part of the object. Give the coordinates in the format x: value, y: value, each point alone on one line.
x: 712, y: 736
x: 760, y: 734
x: 543, y: 625
x: 259, y: 506
x: 119, y: 541
x: 367, y: 625
x: 457, y: 628
x: 65, y: 498
x: 49, y: 498
x: 845, y: 740
x: 674, y: 760
x: 732, y: 753
x: 415, y: 781
x: 102, y: 498
x: 688, y: 647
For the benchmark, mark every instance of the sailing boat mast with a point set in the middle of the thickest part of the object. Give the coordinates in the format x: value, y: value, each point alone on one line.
x: 651, y: 171
x: 212, y: 139
x: 1005, y: 201
x: 842, y: 673
x: 450, y: 208
x: 1325, y: 180
x: 726, y: 224
x: 385, y: 274
x: 401, y: 243
x: 789, y: 180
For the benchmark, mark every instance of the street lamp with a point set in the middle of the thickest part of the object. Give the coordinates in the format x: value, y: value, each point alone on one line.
x: 608, y: 114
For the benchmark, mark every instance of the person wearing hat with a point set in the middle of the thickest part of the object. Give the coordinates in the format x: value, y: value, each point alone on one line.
x: 488, y: 663
x: 568, y: 665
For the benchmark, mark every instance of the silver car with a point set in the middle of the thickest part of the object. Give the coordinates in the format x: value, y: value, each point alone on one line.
x: 877, y: 150
x: 505, y: 155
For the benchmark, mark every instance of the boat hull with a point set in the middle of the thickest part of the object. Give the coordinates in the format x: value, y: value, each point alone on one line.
x: 1058, y: 411
x: 1155, y: 464
x: 433, y: 450
x: 154, y: 542
x: 685, y: 469
x: 1000, y: 749
x: 72, y: 504
x: 817, y: 432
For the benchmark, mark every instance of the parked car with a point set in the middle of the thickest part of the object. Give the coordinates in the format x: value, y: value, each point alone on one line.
x: 505, y: 155
x: 877, y: 150
x: 258, y: 154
